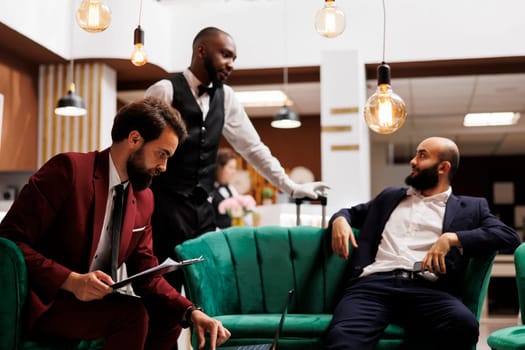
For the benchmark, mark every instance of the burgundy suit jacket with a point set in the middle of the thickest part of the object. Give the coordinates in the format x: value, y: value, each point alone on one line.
x: 57, y: 222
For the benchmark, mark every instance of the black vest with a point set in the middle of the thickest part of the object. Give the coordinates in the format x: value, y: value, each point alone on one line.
x: 191, y: 170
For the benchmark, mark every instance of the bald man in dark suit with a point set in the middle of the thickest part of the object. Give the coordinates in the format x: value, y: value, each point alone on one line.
x: 424, y: 223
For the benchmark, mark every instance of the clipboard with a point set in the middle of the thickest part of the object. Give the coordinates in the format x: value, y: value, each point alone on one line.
x: 167, y: 265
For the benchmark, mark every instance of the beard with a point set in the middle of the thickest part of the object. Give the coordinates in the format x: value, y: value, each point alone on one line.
x: 138, y: 175
x: 212, y: 73
x: 426, y: 179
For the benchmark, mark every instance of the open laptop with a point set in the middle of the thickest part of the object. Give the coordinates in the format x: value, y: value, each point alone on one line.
x: 273, y: 345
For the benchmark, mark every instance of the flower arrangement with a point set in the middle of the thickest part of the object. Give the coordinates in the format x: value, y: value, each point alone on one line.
x: 237, y: 206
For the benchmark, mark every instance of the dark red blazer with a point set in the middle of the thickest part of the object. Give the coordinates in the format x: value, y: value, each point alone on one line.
x: 57, y: 222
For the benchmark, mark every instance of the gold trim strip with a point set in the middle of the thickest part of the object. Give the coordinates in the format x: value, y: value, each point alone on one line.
x: 100, y: 76
x: 336, y: 128
x: 353, y: 147
x: 344, y: 110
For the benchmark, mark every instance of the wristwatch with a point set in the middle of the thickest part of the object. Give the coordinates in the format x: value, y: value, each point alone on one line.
x: 186, y: 319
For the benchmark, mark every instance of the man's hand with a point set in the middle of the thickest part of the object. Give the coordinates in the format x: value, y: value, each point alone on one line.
x: 311, y: 190
x: 434, y: 261
x: 88, y: 286
x: 203, y: 323
x: 341, y: 234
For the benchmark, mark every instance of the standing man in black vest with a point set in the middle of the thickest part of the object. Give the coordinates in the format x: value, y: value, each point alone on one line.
x: 209, y: 108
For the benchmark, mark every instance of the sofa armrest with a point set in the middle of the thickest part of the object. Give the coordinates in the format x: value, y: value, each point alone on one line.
x: 476, y: 282
x: 13, y: 279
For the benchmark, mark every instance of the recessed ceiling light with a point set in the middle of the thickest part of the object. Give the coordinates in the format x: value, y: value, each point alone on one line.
x: 491, y: 119
x: 263, y: 98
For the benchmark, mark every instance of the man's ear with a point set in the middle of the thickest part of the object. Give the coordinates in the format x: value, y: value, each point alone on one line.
x: 201, y: 50
x: 444, y: 166
x: 135, y: 140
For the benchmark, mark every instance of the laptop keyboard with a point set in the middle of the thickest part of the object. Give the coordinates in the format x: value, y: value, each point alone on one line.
x: 255, y: 347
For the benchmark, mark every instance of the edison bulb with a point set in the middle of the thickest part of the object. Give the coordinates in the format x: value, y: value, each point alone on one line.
x: 138, y: 56
x: 385, y: 111
x: 330, y: 20
x: 93, y: 16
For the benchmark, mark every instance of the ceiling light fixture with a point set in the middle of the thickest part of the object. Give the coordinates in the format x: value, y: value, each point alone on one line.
x: 330, y: 20
x: 385, y: 111
x: 262, y: 98
x: 138, y: 56
x: 71, y: 105
x: 491, y: 119
x: 93, y: 16
x: 285, y: 118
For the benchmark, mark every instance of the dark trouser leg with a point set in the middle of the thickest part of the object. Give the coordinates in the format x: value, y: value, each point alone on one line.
x: 433, y: 319
x: 438, y: 320
x: 175, y: 220
x: 164, y: 328
x: 121, y: 320
x: 361, y: 315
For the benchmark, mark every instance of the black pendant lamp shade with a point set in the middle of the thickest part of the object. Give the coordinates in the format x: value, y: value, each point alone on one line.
x: 71, y: 105
x: 286, y: 119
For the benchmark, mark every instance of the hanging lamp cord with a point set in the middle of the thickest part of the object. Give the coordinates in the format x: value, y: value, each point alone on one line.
x: 140, y: 12
x: 285, y: 67
x: 384, y: 30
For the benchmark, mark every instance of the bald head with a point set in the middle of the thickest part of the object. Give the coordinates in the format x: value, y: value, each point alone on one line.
x: 445, y: 149
x: 207, y: 34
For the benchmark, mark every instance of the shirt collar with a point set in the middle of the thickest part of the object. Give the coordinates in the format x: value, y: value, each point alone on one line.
x: 438, y: 197
x: 114, y: 178
x: 192, y: 80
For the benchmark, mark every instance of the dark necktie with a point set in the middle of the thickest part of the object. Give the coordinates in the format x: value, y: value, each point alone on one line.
x: 204, y: 89
x: 116, y: 226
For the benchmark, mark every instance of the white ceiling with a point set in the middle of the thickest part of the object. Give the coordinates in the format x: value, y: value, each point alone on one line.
x: 436, y: 107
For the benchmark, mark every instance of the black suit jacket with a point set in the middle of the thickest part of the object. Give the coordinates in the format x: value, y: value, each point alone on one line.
x: 479, y: 232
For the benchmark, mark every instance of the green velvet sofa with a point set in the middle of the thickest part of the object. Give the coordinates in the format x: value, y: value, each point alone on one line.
x: 248, y: 272
x: 13, y: 291
x: 513, y: 338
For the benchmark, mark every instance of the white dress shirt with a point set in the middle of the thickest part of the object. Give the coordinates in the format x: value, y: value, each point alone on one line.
x: 102, y: 257
x: 238, y: 129
x: 414, y: 226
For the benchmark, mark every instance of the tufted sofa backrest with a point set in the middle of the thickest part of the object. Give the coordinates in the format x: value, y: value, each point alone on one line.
x: 250, y: 270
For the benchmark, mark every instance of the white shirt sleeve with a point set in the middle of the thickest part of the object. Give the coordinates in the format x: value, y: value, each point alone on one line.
x: 162, y: 89
x: 240, y: 133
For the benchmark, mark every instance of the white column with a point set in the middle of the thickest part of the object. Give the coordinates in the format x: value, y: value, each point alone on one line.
x: 345, y: 145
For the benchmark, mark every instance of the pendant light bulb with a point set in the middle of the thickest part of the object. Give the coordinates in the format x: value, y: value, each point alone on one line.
x: 93, y: 16
x: 330, y: 20
x: 138, y: 56
x: 385, y: 111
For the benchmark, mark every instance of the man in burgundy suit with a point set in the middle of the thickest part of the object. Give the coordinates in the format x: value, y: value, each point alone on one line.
x: 60, y: 222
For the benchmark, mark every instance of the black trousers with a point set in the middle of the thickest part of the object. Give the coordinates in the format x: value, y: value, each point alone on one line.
x: 175, y: 220
x: 433, y: 319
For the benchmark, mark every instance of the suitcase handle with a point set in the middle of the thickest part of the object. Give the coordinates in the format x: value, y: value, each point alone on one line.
x: 320, y: 198
x: 299, y: 201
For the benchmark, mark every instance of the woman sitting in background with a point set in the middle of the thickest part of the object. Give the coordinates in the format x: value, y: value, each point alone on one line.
x: 226, y: 169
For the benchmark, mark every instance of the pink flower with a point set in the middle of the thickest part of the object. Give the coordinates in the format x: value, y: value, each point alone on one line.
x: 237, y: 206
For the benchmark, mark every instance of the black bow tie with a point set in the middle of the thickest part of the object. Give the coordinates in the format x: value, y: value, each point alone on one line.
x: 209, y: 90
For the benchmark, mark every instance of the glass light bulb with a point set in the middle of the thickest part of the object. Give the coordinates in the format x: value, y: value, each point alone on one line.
x: 330, y: 20
x: 93, y: 16
x: 138, y: 56
x: 385, y: 111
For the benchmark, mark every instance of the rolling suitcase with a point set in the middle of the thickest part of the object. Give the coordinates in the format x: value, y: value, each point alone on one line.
x: 299, y: 201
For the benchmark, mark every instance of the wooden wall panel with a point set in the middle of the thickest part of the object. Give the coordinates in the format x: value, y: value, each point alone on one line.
x: 19, y: 85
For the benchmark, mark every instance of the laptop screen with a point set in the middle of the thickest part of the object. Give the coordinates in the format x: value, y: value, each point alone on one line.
x: 281, y: 322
